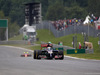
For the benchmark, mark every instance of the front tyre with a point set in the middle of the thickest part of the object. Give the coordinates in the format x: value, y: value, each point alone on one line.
x: 62, y: 54
x: 38, y: 53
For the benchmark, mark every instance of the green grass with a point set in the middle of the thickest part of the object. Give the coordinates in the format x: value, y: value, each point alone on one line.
x: 19, y: 37
x: 35, y: 47
x: 46, y: 36
x: 87, y: 56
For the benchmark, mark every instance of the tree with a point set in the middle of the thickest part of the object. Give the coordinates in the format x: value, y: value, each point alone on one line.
x: 55, y: 12
x: 13, y: 29
x: 94, y: 7
x: 82, y: 3
x: 5, y: 6
x: 75, y: 12
x: 2, y: 15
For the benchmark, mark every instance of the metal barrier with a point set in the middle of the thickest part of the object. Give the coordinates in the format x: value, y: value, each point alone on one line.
x: 72, y: 29
x: 13, y: 42
x: 89, y: 51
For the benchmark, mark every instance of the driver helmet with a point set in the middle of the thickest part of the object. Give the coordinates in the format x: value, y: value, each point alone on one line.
x: 49, y: 48
x: 49, y: 42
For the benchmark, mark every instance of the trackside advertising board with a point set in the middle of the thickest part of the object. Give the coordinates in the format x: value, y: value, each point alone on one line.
x: 75, y: 51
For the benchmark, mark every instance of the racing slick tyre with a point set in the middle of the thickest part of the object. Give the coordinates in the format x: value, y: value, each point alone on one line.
x: 22, y: 55
x: 38, y: 53
x: 29, y: 55
x: 61, y: 53
x: 35, y: 55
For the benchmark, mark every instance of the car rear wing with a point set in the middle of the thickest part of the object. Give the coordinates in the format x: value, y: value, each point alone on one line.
x: 44, y: 45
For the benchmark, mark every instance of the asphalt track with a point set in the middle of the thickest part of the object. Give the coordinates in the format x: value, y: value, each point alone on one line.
x: 12, y: 64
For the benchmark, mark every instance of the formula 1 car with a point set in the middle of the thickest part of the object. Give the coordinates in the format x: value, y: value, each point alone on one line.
x: 26, y: 54
x: 48, y: 53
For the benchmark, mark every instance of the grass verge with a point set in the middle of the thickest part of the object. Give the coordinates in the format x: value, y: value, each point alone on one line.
x: 46, y: 36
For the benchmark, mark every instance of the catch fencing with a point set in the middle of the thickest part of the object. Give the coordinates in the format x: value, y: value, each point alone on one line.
x: 71, y: 29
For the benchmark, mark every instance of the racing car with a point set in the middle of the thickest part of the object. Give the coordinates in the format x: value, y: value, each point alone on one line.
x: 26, y: 54
x: 48, y: 53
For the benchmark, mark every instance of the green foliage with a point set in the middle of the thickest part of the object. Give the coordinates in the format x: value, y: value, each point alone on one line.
x: 75, y: 12
x: 2, y: 33
x: 51, y: 9
x: 13, y: 29
x: 14, y: 9
x: 4, y: 6
x: 44, y: 35
x: 60, y: 11
x: 94, y: 7
x: 82, y: 3
x: 55, y: 13
x: 2, y: 15
x: 18, y: 37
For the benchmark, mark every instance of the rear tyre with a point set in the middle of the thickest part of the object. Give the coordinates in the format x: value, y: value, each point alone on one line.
x: 22, y: 55
x: 29, y: 55
x: 35, y: 55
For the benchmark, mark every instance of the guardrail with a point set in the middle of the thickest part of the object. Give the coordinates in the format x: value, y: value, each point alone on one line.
x: 13, y: 42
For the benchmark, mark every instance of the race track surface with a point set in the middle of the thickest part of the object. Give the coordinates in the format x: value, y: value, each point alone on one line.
x: 12, y: 64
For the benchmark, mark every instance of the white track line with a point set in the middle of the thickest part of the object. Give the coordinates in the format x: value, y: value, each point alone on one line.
x: 80, y: 58
x: 75, y: 57
x: 20, y: 48
x: 92, y: 73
